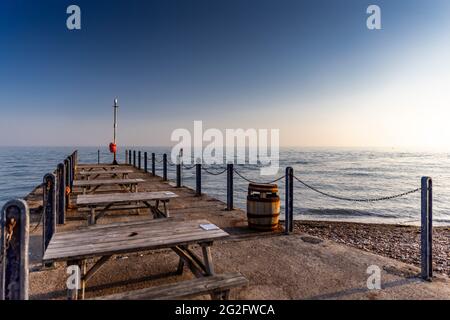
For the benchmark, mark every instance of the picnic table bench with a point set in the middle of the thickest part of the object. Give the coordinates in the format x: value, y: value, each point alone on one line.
x: 218, y: 286
x: 93, y: 185
x: 103, y: 242
x: 97, y: 173
x: 97, y: 166
x: 99, y: 204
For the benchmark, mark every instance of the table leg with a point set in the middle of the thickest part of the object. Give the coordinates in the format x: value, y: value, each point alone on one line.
x: 72, y: 284
x: 83, y: 270
x: 166, y: 209
x: 207, y: 258
x: 92, y: 219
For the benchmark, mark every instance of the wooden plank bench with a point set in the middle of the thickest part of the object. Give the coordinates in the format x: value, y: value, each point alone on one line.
x: 99, y: 204
x: 93, y: 185
x: 218, y: 286
x: 97, y: 174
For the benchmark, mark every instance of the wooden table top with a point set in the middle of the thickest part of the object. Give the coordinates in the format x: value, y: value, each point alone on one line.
x: 103, y: 172
x: 87, y: 183
x: 99, y: 199
x: 131, y: 237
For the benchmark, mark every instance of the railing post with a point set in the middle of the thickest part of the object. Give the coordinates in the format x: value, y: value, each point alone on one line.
x: 129, y: 157
x: 139, y: 160
x: 289, y: 201
x: 49, y: 207
x: 153, y: 164
x: 165, y: 167
x: 230, y: 186
x: 198, y: 179
x: 145, y: 162
x: 61, y: 194
x: 15, y: 228
x: 71, y: 173
x: 67, y: 184
x: 134, y: 158
x: 126, y: 156
x: 178, y: 169
x: 426, y: 238
x: 98, y: 156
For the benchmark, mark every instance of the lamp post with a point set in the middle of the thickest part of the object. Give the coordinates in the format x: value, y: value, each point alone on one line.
x: 115, y: 128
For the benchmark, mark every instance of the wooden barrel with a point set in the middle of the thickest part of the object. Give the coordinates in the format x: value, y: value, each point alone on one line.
x: 263, y: 206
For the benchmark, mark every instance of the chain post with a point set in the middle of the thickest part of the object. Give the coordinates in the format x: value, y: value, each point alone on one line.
x: 49, y: 207
x: 426, y: 238
x: 230, y: 186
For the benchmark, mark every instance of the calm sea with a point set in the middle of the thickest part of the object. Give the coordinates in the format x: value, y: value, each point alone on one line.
x: 350, y: 173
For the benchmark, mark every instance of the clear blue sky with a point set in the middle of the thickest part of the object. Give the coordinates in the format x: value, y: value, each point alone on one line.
x: 309, y: 68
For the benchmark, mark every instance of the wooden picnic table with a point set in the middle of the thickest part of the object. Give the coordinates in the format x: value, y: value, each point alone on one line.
x: 98, y: 173
x: 99, y: 204
x: 97, y: 166
x: 104, y: 241
x: 93, y: 185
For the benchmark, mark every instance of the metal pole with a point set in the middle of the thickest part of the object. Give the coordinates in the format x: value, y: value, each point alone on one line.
x: 286, y: 204
x: 126, y: 156
x: 198, y: 179
x: 98, y: 156
x: 291, y: 200
x: 49, y: 205
x: 229, y: 186
x: 145, y: 162
x: 153, y: 164
x: 129, y: 156
x: 426, y: 239
x: 139, y: 160
x: 178, y: 167
x: 61, y: 194
x: 115, y: 128
x: 15, y: 228
x: 67, y: 184
x: 165, y: 167
x: 134, y: 158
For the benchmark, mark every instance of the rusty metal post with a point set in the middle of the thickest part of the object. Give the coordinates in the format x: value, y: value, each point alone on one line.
x: 61, y: 194
x: 153, y: 164
x: 289, y: 201
x: 230, y: 187
x: 15, y: 225
x: 145, y: 162
x: 49, y: 207
x: 67, y: 184
x: 198, y: 179
x: 139, y: 160
x: 426, y: 239
x: 165, y: 167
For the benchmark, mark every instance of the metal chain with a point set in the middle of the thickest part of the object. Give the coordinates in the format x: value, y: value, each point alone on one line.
x: 214, y: 173
x: 188, y: 168
x: 357, y: 200
x: 256, y: 182
x: 39, y: 222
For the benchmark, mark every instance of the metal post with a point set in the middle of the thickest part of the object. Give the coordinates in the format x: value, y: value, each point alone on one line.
x: 15, y: 228
x: 145, y: 162
x: 291, y: 200
x: 115, y: 129
x: 49, y: 206
x: 426, y: 239
x: 134, y: 158
x: 70, y: 181
x: 198, y: 179
x: 98, y: 156
x: 229, y: 186
x: 61, y: 194
x: 153, y: 164
x: 129, y: 156
x: 165, y: 167
x: 139, y: 160
x: 178, y: 172
x: 126, y: 156
x: 67, y: 184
